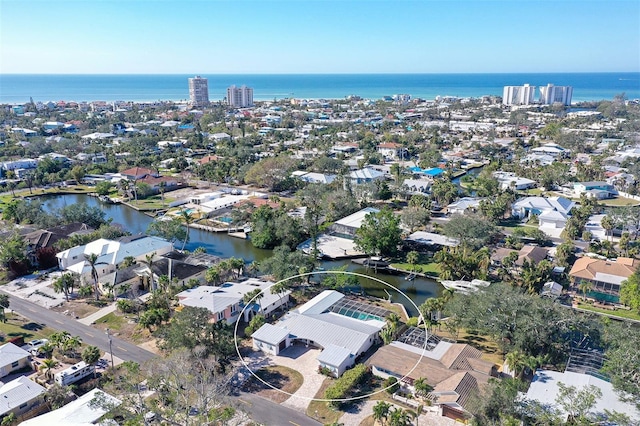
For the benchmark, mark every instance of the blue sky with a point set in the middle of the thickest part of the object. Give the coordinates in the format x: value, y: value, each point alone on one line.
x: 331, y: 36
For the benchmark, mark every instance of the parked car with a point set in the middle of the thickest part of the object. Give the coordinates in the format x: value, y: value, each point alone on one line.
x: 35, y: 345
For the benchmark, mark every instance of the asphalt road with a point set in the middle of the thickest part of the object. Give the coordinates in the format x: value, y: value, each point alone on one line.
x: 89, y: 335
x: 271, y: 414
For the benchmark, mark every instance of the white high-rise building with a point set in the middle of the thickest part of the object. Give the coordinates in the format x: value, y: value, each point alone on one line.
x: 240, y: 97
x: 518, y: 95
x: 199, y: 91
x: 551, y: 94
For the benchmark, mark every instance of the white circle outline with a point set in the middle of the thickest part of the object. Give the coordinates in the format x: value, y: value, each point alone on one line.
x: 355, y: 398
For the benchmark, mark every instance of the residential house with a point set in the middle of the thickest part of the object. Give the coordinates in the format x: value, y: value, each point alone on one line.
x: 46, y: 238
x: 365, y: 175
x: 464, y: 205
x: 552, y: 149
x: 226, y: 302
x: 19, y: 396
x: 508, y: 180
x: 529, y: 206
x: 311, y: 177
x: 417, y: 186
x: 392, y: 151
x: 111, y: 253
x: 545, y: 389
x: 594, y: 189
x: 137, y: 173
x: 343, y: 328
x: 552, y: 222
x: 12, y: 359
x: 350, y: 224
x: 80, y: 412
x: 605, y: 276
x: 531, y: 254
x: 454, y: 370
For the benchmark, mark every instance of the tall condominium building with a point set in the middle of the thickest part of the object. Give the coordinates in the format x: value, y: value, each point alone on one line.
x: 518, y: 95
x: 240, y: 97
x: 556, y: 94
x: 199, y: 91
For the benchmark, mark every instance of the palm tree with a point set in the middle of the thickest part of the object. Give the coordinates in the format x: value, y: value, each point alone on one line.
x: 212, y: 275
x: 71, y: 344
x: 124, y: 186
x: 47, y: 366
x: 256, y: 295
x: 422, y: 387
x: 416, y: 414
x: 608, y: 224
x: 280, y: 289
x: 236, y: 264
x: 58, y: 339
x: 399, y: 417
x: 381, y: 411
x: 585, y: 286
x: 162, y: 186
x: 148, y: 261
x: 188, y: 219
x: 516, y: 362
x: 412, y: 259
x: 93, y: 261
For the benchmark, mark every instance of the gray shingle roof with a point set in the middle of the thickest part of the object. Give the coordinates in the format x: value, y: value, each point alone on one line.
x: 10, y: 353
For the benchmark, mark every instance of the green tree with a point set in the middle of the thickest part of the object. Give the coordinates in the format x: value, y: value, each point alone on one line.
x: 577, y: 403
x: 630, y: 291
x: 381, y: 411
x: 65, y: 284
x: 254, y: 324
x: 415, y: 217
x: 187, y: 218
x: 4, y: 304
x: 379, y: 234
x: 92, y: 259
x: 622, y: 361
x: 412, y: 259
x: 171, y: 230
x: 104, y: 187
x: 471, y: 230
x: 285, y: 263
x: 47, y: 366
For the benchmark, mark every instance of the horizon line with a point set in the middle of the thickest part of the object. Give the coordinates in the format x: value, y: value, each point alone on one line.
x: 330, y: 73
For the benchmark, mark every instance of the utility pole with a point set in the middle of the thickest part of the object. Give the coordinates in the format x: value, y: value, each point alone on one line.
x: 110, y: 347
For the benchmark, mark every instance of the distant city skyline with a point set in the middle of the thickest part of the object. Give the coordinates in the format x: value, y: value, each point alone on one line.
x: 316, y: 37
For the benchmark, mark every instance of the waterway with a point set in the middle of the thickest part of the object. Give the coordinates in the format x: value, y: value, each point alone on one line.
x: 221, y: 244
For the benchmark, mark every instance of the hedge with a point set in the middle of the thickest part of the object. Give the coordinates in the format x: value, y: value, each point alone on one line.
x: 341, y: 387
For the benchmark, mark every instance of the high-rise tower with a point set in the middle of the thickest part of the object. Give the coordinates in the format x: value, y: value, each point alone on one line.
x: 199, y: 91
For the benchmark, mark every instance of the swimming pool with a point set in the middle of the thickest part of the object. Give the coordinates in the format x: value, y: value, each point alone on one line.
x: 225, y: 219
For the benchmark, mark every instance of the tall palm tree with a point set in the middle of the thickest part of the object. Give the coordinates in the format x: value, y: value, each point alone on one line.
x: 516, y: 362
x: 71, y: 344
x: 212, y: 275
x: 280, y: 289
x: 188, y: 219
x: 162, y: 186
x: 93, y: 261
x: 148, y: 261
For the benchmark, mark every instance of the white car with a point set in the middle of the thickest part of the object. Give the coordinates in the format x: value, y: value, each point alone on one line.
x: 35, y: 345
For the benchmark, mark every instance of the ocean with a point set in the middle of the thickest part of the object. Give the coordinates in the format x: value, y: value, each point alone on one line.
x: 19, y: 88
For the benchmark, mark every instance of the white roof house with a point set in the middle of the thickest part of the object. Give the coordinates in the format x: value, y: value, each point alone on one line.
x: 463, y: 204
x: 552, y: 149
x: 81, y: 412
x: 536, y: 205
x: 111, y: 253
x: 367, y: 174
x: 544, y: 389
x: 511, y: 180
x: 312, y: 177
x: 341, y: 338
x: 225, y: 302
x: 19, y: 396
x: 430, y: 238
x: 351, y: 223
x: 12, y: 358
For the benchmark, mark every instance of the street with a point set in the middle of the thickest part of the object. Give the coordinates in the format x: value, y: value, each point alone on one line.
x: 89, y: 335
x: 272, y: 414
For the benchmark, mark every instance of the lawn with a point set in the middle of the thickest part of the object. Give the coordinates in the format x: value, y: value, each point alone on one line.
x: 430, y: 268
x: 619, y: 202
x: 112, y: 321
x: 321, y: 410
x: 620, y: 313
x: 283, y: 378
x: 17, y: 325
x: 152, y: 203
x: 125, y: 328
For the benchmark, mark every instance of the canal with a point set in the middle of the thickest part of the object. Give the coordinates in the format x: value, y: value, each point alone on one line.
x: 220, y: 244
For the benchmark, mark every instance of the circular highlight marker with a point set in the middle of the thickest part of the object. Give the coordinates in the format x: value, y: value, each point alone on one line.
x: 355, y: 398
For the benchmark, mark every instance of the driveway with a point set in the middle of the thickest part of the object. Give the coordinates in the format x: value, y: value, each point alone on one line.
x: 297, y: 357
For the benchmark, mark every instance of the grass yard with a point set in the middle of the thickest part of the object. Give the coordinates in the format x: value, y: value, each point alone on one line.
x: 619, y: 202
x: 283, y: 378
x: 620, y: 313
x: 320, y: 410
x: 151, y: 203
x: 17, y: 325
x: 431, y: 268
x: 125, y: 328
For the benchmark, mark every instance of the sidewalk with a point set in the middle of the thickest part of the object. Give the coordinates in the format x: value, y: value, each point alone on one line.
x: 90, y: 319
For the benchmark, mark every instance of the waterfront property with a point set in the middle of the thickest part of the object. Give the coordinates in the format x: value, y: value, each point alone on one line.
x: 529, y: 206
x: 226, y: 302
x: 604, y: 276
x: 343, y: 328
x: 454, y: 370
x: 111, y: 253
